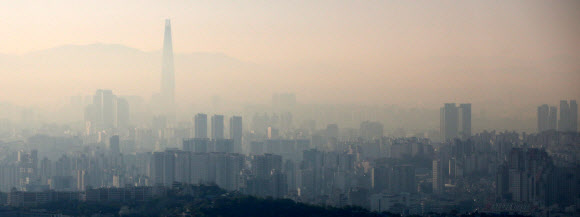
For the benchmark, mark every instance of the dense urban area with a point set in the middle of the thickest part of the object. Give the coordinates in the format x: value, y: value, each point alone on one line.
x: 131, y: 158
x: 109, y: 161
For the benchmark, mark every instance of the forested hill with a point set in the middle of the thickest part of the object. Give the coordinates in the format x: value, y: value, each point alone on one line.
x: 192, y: 200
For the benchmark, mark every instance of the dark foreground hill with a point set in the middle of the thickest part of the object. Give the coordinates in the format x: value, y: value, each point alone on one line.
x: 196, y: 201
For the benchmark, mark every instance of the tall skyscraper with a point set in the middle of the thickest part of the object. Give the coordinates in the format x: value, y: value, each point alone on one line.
x: 564, y: 116
x: 81, y: 179
x: 547, y: 118
x: 568, y: 116
x: 107, y: 111
x: 543, y: 116
x: 553, y: 118
x: 217, y: 127
x: 455, y: 121
x: 449, y: 121
x: 168, y: 74
x: 103, y: 100
x: 465, y: 128
x: 200, y: 121
x: 573, y: 116
x: 236, y: 132
x: 438, y: 181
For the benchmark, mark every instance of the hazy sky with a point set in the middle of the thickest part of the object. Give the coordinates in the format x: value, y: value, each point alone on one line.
x: 456, y: 49
x: 361, y: 31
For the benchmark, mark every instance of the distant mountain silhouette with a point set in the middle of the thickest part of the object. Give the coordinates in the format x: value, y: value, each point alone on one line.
x: 498, y: 86
x: 84, y: 68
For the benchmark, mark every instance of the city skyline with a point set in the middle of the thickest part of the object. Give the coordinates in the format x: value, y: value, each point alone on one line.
x: 301, y: 108
x: 164, y: 103
x: 464, y: 70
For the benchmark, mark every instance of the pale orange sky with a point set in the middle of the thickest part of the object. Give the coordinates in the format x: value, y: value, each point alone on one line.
x: 364, y: 32
x: 384, y: 52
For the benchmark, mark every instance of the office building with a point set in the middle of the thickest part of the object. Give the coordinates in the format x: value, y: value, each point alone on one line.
x: 563, y: 123
x: 455, y: 122
x: 107, y: 111
x: 465, y: 120
x: 449, y: 121
x: 568, y: 116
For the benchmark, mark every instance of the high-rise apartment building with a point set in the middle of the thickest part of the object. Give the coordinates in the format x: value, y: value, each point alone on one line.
x: 568, y: 116
x: 553, y: 118
x: 107, y: 111
x: 573, y: 116
x: 101, y: 112
x: 223, y: 145
x: 563, y: 123
x: 199, y: 145
x: 465, y: 120
x: 200, y: 122
x: 156, y: 168
x: 217, y: 127
x: 455, y: 121
x: 449, y: 121
x: 169, y: 167
x: 438, y: 180
x: 236, y: 132
x: 262, y: 165
x: 543, y: 117
x: 547, y: 118
x: 199, y: 167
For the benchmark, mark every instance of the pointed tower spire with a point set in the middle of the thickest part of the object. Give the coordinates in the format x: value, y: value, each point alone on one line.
x: 167, y: 73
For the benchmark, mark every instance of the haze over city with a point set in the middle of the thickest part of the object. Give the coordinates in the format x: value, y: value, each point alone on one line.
x: 503, y: 55
x: 307, y: 108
